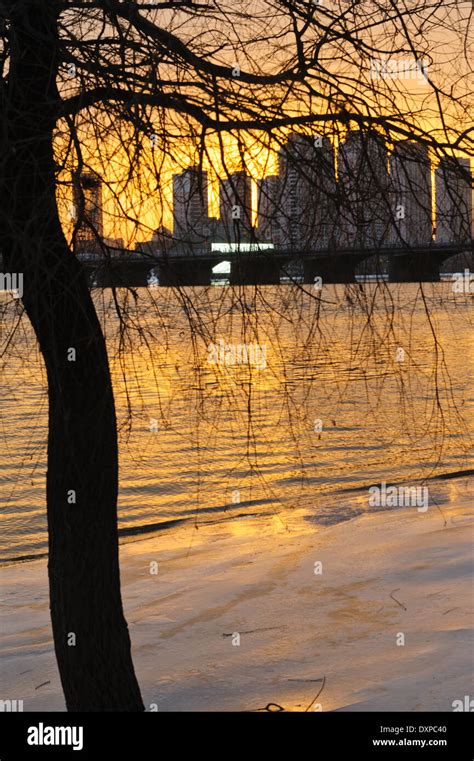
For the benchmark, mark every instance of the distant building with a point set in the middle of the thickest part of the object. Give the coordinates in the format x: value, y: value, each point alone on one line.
x: 453, y: 201
x: 160, y: 244
x: 235, y: 206
x: 114, y: 246
x: 162, y: 233
x: 306, y: 193
x: 411, y: 195
x: 87, y: 213
x: 268, y: 209
x: 211, y: 232
x: 190, y: 206
x: 363, y: 197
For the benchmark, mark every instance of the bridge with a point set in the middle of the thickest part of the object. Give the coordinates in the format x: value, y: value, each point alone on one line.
x: 265, y: 266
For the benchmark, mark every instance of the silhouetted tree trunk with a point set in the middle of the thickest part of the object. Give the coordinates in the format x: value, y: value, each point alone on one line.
x: 90, y: 632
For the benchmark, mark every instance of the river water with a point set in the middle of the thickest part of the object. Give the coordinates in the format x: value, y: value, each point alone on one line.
x: 233, y: 402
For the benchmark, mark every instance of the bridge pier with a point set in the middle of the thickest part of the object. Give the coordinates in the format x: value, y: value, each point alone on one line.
x: 255, y: 271
x: 332, y: 269
x: 414, y: 267
x: 112, y: 275
x: 189, y: 272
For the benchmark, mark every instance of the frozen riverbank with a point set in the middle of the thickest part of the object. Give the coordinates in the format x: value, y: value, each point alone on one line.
x: 307, y: 602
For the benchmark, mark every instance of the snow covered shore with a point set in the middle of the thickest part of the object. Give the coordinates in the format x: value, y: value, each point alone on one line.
x: 374, y: 613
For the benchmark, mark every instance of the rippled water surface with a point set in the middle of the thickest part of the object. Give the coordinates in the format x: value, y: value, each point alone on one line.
x: 359, y: 387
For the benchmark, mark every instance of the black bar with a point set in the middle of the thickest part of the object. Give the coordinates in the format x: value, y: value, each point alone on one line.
x: 350, y: 735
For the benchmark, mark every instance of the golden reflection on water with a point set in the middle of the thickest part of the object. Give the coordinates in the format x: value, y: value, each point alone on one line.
x: 331, y: 410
